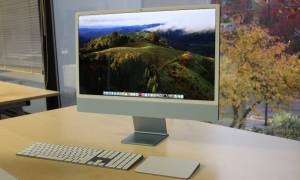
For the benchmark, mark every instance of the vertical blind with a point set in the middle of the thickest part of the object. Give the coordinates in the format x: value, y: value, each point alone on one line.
x: 20, y: 40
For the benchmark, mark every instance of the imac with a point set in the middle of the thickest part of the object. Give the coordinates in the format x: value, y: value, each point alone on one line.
x: 151, y: 64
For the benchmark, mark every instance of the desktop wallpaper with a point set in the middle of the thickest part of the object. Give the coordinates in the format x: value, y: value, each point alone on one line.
x: 165, y: 52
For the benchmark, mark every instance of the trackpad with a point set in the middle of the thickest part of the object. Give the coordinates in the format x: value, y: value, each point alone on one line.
x: 171, y: 167
x: 6, y: 176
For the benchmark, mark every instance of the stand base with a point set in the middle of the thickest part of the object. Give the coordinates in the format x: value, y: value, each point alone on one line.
x: 144, y: 139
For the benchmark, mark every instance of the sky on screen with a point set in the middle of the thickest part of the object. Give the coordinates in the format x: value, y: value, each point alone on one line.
x: 188, y: 20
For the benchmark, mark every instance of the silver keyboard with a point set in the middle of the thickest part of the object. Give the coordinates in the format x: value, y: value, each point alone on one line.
x: 82, y: 155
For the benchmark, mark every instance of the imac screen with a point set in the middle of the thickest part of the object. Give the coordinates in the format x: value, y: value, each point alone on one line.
x: 162, y: 54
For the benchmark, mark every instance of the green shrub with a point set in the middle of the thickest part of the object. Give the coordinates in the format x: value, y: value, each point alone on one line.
x: 257, y: 129
x: 285, y: 124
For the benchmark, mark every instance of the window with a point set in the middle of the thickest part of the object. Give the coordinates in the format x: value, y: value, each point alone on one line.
x: 21, y: 59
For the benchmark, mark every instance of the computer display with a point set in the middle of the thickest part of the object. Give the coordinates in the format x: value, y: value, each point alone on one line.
x: 151, y: 64
x: 166, y: 54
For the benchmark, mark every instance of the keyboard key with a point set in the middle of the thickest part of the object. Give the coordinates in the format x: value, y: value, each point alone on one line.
x: 114, y: 160
x: 126, y: 161
x: 132, y: 161
x: 119, y: 161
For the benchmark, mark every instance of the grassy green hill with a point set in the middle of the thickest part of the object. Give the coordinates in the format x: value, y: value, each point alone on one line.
x: 143, y: 62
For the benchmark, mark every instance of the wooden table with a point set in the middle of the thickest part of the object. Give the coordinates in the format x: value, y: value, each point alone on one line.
x: 13, y: 93
x: 224, y: 153
x: 15, y: 96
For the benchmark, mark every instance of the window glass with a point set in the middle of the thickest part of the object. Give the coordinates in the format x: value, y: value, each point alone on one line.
x: 21, y: 59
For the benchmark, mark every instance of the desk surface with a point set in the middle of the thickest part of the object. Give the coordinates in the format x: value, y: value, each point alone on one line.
x: 224, y: 153
x: 14, y: 93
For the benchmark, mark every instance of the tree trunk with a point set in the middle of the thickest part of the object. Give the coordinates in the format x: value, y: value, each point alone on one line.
x: 243, y: 119
x: 240, y: 121
x: 235, y: 121
x: 266, y: 113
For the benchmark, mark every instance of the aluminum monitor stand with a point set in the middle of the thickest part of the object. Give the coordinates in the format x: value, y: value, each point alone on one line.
x: 147, y: 131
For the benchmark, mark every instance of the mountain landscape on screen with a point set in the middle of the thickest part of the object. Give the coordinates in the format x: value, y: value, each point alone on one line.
x: 154, y: 58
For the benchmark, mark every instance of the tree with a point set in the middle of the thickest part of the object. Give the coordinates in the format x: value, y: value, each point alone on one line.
x: 237, y: 11
x: 152, y: 78
x: 153, y: 38
x: 254, y: 69
x: 115, y: 39
x: 185, y: 58
x: 282, y: 18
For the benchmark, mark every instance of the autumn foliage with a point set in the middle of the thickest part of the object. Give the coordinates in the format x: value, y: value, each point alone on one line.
x: 255, y: 68
x: 185, y: 58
